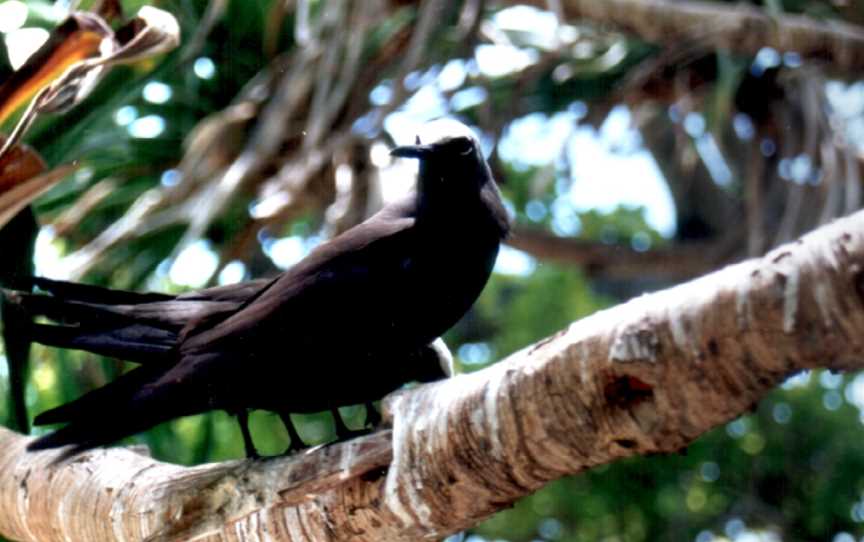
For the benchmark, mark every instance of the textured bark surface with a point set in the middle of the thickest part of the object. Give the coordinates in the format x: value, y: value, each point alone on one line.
x: 647, y: 376
x: 741, y: 28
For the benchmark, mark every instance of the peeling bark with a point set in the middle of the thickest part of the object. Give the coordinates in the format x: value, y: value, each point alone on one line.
x: 648, y: 376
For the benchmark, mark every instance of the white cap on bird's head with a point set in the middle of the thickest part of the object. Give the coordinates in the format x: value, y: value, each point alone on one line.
x: 444, y: 128
x: 443, y: 135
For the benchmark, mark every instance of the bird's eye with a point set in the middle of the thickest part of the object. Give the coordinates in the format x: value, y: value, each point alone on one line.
x: 463, y: 145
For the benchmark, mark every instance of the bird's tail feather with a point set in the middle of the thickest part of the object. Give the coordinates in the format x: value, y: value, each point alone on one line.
x: 137, y: 327
x: 95, y: 294
x: 168, y: 314
x: 89, y: 404
x: 134, y: 342
x: 126, y: 406
x: 140, y: 333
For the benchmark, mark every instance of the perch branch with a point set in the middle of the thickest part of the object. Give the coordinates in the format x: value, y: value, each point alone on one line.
x: 648, y: 376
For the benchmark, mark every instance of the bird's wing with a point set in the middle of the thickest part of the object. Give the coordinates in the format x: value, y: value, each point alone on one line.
x: 95, y: 294
x: 137, y: 343
x: 239, y: 292
x: 69, y: 299
x: 336, y: 275
x: 126, y: 325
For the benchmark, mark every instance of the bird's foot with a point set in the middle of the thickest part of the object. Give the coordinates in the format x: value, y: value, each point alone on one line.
x: 373, y: 418
x: 252, y: 454
x: 295, y: 442
x: 343, y: 433
x: 295, y: 446
x: 248, y: 445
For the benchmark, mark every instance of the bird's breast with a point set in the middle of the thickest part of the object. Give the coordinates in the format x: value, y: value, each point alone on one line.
x: 441, y: 280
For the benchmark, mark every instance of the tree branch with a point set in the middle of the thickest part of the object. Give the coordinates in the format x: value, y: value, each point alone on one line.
x: 679, y: 261
x: 742, y: 28
x: 648, y: 376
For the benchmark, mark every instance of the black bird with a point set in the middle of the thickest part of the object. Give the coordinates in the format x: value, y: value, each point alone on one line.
x: 141, y: 326
x: 346, y: 325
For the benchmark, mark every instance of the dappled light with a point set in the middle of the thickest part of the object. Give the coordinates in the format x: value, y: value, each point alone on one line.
x: 207, y: 143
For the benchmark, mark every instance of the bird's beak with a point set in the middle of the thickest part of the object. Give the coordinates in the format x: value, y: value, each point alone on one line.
x: 412, y: 151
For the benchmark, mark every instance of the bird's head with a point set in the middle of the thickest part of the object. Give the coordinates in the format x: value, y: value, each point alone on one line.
x: 453, y: 172
x: 448, y: 151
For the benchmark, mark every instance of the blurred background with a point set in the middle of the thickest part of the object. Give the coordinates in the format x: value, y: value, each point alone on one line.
x: 630, y: 159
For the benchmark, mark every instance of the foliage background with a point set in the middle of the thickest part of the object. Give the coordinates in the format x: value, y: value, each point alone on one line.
x: 750, y: 151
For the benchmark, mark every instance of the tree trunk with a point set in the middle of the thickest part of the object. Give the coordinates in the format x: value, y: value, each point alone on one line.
x: 648, y: 376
